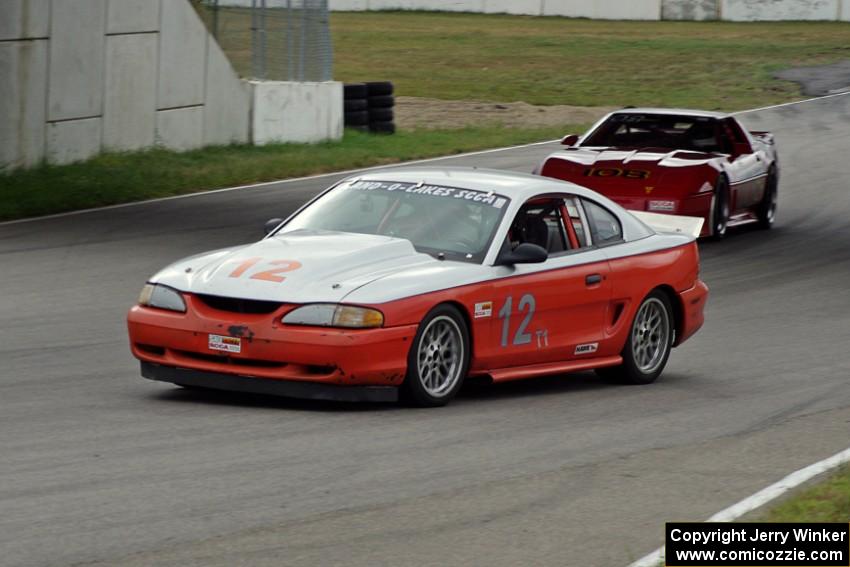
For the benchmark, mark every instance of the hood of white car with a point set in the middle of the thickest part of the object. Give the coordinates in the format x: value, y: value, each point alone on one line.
x: 297, y: 267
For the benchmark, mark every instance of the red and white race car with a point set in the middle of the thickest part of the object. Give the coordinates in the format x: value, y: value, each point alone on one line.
x: 681, y: 162
x: 408, y: 280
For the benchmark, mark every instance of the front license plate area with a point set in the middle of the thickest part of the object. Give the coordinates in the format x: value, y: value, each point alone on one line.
x: 224, y: 343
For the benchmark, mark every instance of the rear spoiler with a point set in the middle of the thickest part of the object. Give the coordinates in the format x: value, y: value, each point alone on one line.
x: 766, y: 137
x: 671, y: 224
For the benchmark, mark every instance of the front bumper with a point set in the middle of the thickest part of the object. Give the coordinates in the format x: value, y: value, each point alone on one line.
x: 270, y: 350
x: 285, y: 388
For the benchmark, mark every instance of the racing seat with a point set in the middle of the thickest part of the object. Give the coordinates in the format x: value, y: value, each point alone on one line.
x: 536, y: 231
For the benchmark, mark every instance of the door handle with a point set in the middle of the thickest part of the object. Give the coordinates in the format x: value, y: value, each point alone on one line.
x: 593, y: 279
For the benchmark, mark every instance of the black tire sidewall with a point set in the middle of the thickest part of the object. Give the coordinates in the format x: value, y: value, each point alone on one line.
x: 772, y: 188
x: 721, y: 195
x: 630, y: 373
x: 412, y: 390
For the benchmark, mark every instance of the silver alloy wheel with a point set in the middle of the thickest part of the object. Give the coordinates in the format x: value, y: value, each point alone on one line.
x: 650, y: 335
x: 440, y: 356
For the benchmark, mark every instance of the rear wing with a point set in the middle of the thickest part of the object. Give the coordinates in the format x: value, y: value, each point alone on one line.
x: 671, y: 224
x: 765, y: 137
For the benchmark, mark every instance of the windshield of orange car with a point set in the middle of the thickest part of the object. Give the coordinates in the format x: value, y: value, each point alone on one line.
x: 449, y: 222
x: 666, y: 131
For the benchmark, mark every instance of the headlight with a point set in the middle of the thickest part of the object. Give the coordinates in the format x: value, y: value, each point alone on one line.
x: 162, y: 297
x: 332, y: 315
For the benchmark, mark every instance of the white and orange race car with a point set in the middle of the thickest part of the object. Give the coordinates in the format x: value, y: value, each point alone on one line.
x: 406, y: 281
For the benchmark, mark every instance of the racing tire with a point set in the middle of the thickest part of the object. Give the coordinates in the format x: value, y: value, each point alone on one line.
x: 438, y: 359
x: 381, y: 115
x: 382, y: 127
x: 354, y: 90
x: 766, y: 213
x: 649, y: 343
x: 355, y: 105
x: 720, y: 210
x: 377, y: 88
x: 381, y: 101
x: 359, y: 118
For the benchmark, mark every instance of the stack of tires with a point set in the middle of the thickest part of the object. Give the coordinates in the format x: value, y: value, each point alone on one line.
x: 369, y: 107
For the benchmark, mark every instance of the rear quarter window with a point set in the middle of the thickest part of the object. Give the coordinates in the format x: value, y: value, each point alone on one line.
x: 605, y: 228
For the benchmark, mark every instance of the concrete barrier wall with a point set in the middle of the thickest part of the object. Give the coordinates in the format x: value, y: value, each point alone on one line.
x: 78, y: 77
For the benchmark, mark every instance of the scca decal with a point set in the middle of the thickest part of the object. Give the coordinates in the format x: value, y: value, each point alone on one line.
x: 617, y: 172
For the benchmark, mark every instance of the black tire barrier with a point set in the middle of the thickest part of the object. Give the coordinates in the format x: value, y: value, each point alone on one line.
x: 382, y: 127
x: 381, y: 101
x: 356, y: 104
x: 361, y: 128
x: 379, y: 88
x: 355, y: 90
x: 381, y: 115
x: 358, y: 118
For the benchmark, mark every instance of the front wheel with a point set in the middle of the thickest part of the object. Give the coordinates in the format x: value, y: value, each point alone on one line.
x: 649, y: 344
x: 766, y: 213
x: 439, y: 358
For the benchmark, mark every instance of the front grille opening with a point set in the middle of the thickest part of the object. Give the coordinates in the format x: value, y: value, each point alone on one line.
x: 151, y: 349
x: 237, y: 305
x: 224, y: 359
x: 320, y: 370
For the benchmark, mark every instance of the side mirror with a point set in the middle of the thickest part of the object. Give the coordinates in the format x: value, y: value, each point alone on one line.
x: 740, y: 149
x: 525, y: 253
x: 271, y: 224
x: 570, y: 140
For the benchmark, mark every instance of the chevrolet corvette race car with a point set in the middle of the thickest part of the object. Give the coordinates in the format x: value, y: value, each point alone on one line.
x: 406, y: 281
x: 681, y: 162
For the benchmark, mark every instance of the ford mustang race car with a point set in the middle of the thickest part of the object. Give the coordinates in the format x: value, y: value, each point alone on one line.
x: 682, y: 162
x: 405, y: 281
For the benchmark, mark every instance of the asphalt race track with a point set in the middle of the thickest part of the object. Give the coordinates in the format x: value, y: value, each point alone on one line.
x: 101, y: 467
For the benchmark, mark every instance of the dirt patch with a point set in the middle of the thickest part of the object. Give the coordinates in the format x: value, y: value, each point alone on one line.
x: 821, y: 80
x: 415, y: 112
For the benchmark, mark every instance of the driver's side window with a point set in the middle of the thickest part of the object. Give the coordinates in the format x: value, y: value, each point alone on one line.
x: 540, y: 222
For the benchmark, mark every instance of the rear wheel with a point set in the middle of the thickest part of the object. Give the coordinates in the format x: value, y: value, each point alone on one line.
x: 439, y: 358
x: 720, y: 216
x: 649, y: 344
x: 766, y: 213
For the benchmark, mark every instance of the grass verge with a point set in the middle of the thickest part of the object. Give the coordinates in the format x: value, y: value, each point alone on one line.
x: 119, y: 178
x: 827, y: 501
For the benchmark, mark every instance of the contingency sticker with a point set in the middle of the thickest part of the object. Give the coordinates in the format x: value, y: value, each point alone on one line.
x: 588, y: 348
x: 225, y: 344
x: 484, y: 309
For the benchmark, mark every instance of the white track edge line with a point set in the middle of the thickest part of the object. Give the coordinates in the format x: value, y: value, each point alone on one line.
x: 760, y: 498
x: 348, y: 171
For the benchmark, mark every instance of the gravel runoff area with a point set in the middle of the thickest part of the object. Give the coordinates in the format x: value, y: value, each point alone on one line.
x: 418, y: 112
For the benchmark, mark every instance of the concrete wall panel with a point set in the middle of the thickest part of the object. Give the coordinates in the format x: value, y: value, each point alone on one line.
x: 23, y: 93
x: 774, y: 10
x: 227, y: 107
x: 180, y: 129
x: 20, y: 19
x: 73, y: 140
x: 690, y: 10
x: 845, y: 11
x: 349, y: 5
x: 519, y: 7
x: 76, y: 59
x: 604, y: 9
x: 132, y: 16
x: 183, y: 40
x: 296, y: 112
x: 130, y: 101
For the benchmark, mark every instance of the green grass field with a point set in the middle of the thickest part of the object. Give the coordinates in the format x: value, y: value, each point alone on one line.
x: 544, y: 60
x: 827, y: 501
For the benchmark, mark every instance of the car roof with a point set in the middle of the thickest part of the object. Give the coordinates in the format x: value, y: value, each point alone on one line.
x: 511, y: 184
x: 673, y: 112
